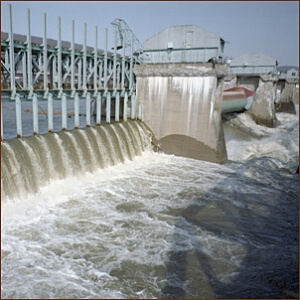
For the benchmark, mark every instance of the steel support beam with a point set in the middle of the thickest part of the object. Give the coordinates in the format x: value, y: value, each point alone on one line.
x: 11, y: 53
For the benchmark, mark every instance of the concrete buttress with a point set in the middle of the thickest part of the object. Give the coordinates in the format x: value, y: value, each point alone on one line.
x: 287, y: 97
x: 262, y: 110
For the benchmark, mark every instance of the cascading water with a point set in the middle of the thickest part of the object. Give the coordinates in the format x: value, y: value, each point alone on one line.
x: 32, y: 162
x: 155, y: 226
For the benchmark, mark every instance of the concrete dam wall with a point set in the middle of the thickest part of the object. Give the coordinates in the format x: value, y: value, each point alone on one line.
x: 181, y: 103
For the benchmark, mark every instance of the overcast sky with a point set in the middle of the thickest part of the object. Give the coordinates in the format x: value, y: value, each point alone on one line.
x: 271, y: 28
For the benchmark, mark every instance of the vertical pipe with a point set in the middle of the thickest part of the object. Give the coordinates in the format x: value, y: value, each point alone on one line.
x: 105, y: 59
x: 50, y: 113
x: 24, y: 71
x: 73, y: 57
x: 88, y: 110
x: 117, y: 109
x: 35, y: 114
x: 123, y: 63
x: 132, y: 106
x: 59, y: 62
x: 108, y: 100
x: 76, y: 111
x: 115, y: 62
x: 131, y: 66
x: 125, y: 107
x: 45, y: 53
x: 29, y: 52
x: 98, y: 109
x: 11, y: 52
x: 95, y: 59
x: 19, y: 116
x: 84, y: 57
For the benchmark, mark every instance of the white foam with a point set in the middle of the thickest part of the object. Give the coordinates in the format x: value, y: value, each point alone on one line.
x: 99, y: 234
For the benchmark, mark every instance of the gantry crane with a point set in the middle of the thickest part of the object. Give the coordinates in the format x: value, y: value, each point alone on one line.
x: 126, y: 36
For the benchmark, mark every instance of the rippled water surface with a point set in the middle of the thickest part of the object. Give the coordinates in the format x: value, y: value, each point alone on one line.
x: 164, y: 226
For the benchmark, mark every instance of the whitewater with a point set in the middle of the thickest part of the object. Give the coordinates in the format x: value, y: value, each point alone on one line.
x: 142, y: 224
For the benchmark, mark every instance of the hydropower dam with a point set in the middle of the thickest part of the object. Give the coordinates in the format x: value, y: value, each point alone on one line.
x: 89, y: 210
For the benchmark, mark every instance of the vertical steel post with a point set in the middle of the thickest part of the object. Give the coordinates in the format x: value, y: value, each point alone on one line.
x: 24, y: 70
x: 123, y: 63
x: 45, y: 54
x: 115, y: 61
x: 131, y: 66
x: 117, y: 108
x: 118, y: 76
x: 54, y: 72
x: 96, y: 60
x: 59, y: 62
x: 108, y: 100
x: 88, y: 110
x: 100, y: 74
x: 98, y: 109
x: 11, y: 53
x: 125, y: 107
x: 105, y: 59
x: 29, y: 53
x: 35, y: 112
x: 79, y: 73
x: 76, y: 111
x: 64, y: 111
x: 132, y: 106
x: 73, y: 57
x: 84, y: 57
x: 19, y: 116
x: 50, y: 113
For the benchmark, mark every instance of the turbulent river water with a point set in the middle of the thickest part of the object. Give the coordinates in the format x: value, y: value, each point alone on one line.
x: 159, y: 226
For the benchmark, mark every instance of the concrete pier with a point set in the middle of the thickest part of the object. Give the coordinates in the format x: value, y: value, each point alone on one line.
x: 182, y: 106
x: 262, y: 110
x: 287, y: 97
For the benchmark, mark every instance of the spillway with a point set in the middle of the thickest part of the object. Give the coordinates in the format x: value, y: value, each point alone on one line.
x: 32, y: 162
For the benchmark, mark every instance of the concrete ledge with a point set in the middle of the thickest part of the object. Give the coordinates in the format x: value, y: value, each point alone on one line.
x: 181, y: 69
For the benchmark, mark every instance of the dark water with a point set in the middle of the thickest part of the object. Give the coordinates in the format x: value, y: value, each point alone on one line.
x: 160, y: 226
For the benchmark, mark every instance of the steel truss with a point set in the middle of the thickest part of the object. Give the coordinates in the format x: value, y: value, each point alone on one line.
x: 31, y: 64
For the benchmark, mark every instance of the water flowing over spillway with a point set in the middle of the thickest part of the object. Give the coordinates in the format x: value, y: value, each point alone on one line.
x: 113, y: 219
x: 30, y: 163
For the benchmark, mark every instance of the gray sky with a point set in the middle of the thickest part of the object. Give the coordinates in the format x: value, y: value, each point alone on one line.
x: 271, y: 28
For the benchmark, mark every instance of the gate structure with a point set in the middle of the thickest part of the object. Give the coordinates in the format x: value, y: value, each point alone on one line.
x: 40, y: 65
x: 38, y: 68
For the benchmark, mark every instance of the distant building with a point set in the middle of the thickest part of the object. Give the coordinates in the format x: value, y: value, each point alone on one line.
x: 291, y: 73
x: 188, y: 43
x: 253, y: 64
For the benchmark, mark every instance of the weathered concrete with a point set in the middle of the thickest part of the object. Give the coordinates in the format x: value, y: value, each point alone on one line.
x: 182, y: 106
x: 230, y: 81
x: 287, y: 97
x: 249, y: 82
x: 262, y: 110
